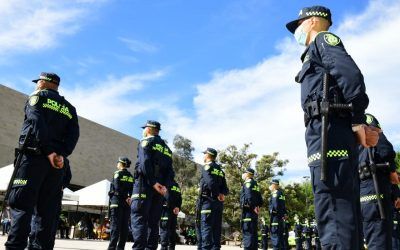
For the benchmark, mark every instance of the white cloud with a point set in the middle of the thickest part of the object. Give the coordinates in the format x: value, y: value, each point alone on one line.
x: 30, y: 25
x: 261, y: 104
x: 106, y: 102
x: 138, y: 46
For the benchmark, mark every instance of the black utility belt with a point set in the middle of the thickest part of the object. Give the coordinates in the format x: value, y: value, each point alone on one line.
x: 313, y: 111
x: 29, y: 151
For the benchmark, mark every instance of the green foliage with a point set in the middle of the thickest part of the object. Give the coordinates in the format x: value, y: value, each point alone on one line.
x: 186, y: 171
x: 397, y: 160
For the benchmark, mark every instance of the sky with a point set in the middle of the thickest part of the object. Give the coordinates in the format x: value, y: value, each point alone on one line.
x: 217, y: 72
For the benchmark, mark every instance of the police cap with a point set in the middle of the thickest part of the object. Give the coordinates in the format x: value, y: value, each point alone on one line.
x: 275, y: 181
x: 124, y: 160
x: 152, y: 124
x: 249, y: 171
x: 307, y: 12
x: 211, y: 151
x: 50, y: 77
x: 372, y: 121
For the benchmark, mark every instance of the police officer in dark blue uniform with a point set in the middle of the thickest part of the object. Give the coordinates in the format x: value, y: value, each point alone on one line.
x: 264, y: 234
x: 298, y: 233
x: 55, y: 132
x: 153, y: 173
x: 120, y: 193
x: 213, y: 189
x: 171, y: 206
x: 250, y: 202
x: 277, y: 211
x: 338, y: 222
x: 286, y: 229
x: 307, y: 235
x: 316, y: 235
x: 377, y: 232
x: 396, y: 217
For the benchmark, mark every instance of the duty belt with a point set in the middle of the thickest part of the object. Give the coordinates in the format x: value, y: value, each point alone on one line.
x: 313, y: 110
x: 29, y: 150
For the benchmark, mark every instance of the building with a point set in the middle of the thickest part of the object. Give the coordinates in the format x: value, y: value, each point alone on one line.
x: 95, y: 155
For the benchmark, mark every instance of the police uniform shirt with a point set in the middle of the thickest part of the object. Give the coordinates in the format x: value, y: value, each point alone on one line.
x: 250, y: 196
x: 277, y: 203
x: 54, y: 121
x: 155, y: 161
x: 213, y: 180
x: 174, y: 196
x: 327, y: 54
x: 121, y: 186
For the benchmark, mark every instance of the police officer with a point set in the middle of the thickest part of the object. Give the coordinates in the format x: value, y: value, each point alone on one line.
x: 307, y: 235
x: 286, y: 229
x: 213, y: 189
x: 277, y: 210
x: 298, y: 233
x: 396, y: 217
x: 120, y: 193
x: 54, y: 133
x: 264, y: 234
x: 250, y: 202
x: 153, y: 173
x: 338, y: 222
x: 377, y: 232
x: 171, y: 206
x: 316, y: 235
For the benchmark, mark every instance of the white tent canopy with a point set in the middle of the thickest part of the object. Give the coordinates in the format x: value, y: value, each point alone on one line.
x: 93, y: 195
x: 5, y: 176
x: 69, y: 195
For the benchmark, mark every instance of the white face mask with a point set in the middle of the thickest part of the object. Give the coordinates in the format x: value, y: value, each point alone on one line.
x: 300, y: 35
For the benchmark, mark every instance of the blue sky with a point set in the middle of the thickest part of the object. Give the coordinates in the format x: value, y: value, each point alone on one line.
x: 217, y: 72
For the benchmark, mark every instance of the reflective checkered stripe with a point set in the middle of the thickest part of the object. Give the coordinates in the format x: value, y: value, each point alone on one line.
x: 246, y: 219
x: 330, y: 154
x: 164, y: 218
x: 316, y: 13
x: 367, y: 198
x: 275, y: 224
x: 205, y: 211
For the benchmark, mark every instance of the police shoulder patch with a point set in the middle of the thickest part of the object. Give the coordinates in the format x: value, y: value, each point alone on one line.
x: 248, y: 184
x: 33, y: 100
x: 207, y: 167
x: 144, y: 143
x: 116, y: 175
x: 331, y: 39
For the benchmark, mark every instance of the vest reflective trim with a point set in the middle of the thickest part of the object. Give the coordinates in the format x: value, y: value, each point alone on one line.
x: 21, y: 182
x: 330, y: 154
x: 208, y: 211
x: 395, y: 222
x: 164, y: 218
x: 141, y: 196
x: 246, y: 219
x: 113, y: 205
x: 371, y: 197
x: 275, y: 224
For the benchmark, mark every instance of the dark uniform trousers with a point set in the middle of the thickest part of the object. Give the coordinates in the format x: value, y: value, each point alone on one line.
x: 145, y: 218
x: 168, y: 228
x: 377, y: 232
x: 119, y: 223
x: 264, y: 237
x: 395, y: 232
x: 250, y: 232
x: 36, y: 183
x: 337, y: 201
x: 277, y: 232
x: 211, y: 223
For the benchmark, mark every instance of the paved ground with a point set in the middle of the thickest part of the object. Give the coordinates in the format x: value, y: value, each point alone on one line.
x: 95, y: 244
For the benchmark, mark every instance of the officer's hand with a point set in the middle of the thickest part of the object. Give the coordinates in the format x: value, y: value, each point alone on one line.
x: 221, y: 197
x: 128, y: 200
x: 56, y: 161
x: 397, y: 203
x: 176, y: 210
x: 257, y: 210
x: 394, y: 178
x: 367, y: 136
x: 160, y: 188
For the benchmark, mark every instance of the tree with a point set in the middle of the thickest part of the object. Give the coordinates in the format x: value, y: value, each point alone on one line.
x: 397, y: 160
x: 234, y: 162
x: 186, y: 171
